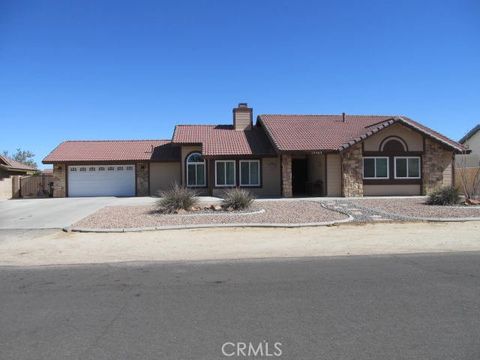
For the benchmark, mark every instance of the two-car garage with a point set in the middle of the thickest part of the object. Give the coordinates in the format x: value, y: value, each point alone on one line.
x: 101, y: 180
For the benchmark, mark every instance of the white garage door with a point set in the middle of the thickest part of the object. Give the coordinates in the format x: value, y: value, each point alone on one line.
x: 101, y: 180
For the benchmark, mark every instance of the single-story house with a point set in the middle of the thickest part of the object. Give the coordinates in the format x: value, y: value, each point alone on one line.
x: 278, y: 155
x: 470, y: 141
x: 8, y: 168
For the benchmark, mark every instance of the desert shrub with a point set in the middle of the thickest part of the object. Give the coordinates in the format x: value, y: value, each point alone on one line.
x: 176, y: 198
x: 237, y: 199
x: 447, y: 195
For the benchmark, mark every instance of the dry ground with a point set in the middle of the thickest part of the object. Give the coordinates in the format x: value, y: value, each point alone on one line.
x: 55, y: 247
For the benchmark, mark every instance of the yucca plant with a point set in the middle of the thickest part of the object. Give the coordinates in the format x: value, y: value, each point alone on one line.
x: 175, y: 199
x: 237, y: 199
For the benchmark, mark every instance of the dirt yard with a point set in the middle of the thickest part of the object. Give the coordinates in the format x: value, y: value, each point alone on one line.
x: 20, y: 248
x: 265, y: 212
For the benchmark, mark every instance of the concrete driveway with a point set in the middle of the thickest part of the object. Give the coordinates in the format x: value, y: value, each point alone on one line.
x: 56, y: 213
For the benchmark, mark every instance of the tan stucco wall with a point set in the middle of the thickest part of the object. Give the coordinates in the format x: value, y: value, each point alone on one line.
x: 334, y: 175
x: 472, y: 159
x: 413, y: 139
x: 163, y: 175
x: 391, y: 190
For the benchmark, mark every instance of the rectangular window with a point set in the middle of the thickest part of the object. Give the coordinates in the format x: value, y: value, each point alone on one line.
x: 407, y: 167
x: 225, y: 173
x: 249, y: 172
x: 83, y: 169
x: 91, y: 169
x: 375, y: 168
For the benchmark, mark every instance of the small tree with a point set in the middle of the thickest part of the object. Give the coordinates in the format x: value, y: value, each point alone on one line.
x: 469, y: 178
x: 22, y: 156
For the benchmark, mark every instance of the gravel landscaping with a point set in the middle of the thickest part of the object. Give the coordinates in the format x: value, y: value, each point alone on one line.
x: 416, y: 208
x: 265, y: 212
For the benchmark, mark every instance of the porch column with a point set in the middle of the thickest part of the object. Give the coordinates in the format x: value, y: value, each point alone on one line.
x: 352, y: 171
x: 59, y: 180
x: 287, y: 176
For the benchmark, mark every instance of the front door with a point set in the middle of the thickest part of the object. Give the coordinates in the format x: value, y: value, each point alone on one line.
x: 299, y: 177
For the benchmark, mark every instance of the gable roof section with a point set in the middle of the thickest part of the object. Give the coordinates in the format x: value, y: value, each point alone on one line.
x: 220, y: 140
x: 11, y: 164
x: 331, y: 133
x: 113, y: 150
x: 470, y: 134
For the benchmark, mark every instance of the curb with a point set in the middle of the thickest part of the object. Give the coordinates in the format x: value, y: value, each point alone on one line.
x: 209, y: 226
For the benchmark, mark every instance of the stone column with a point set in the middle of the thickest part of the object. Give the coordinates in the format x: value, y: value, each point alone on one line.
x: 352, y: 171
x: 59, y: 180
x: 142, y: 179
x: 287, y: 176
x: 435, y: 160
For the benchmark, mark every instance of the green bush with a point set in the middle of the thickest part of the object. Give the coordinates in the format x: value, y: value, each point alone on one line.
x: 237, y: 199
x: 177, y: 198
x: 445, y: 196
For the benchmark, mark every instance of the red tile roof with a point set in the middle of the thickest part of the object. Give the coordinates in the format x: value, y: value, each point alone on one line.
x: 224, y: 140
x: 331, y: 133
x: 14, y: 165
x: 113, y: 150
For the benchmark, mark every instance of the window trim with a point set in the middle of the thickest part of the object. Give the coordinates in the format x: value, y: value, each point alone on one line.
x: 225, y: 173
x: 196, y: 163
x: 375, y: 177
x: 249, y: 173
x: 407, y: 177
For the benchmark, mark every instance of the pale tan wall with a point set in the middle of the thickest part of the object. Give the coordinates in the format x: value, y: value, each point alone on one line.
x: 6, y: 188
x: 334, y: 175
x: 186, y: 150
x: 242, y: 120
x: 392, y: 190
x: 413, y: 139
x: 163, y: 176
x: 472, y: 159
x: 271, y: 184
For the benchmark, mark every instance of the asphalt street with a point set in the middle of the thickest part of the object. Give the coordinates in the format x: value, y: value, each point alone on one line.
x: 389, y: 307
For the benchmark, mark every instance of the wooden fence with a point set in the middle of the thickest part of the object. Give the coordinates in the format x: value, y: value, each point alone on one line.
x: 35, y: 186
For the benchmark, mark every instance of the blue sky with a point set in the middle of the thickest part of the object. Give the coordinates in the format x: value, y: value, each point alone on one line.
x: 133, y: 69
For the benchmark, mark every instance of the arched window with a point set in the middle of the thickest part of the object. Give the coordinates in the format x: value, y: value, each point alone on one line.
x: 196, y: 173
x: 393, y: 144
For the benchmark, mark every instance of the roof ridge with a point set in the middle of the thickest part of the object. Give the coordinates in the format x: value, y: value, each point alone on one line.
x: 346, y: 114
x: 203, y: 125
x: 135, y: 140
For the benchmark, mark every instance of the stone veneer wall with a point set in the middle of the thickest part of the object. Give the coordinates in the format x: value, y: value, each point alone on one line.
x: 59, y: 180
x: 352, y: 176
x: 435, y: 160
x: 287, y: 176
x: 142, y: 179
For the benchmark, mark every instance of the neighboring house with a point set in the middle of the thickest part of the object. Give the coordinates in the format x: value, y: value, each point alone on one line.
x: 279, y: 155
x: 471, y: 141
x: 9, y: 167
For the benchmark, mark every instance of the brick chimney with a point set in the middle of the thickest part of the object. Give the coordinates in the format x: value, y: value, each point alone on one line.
x: 242, y: 117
